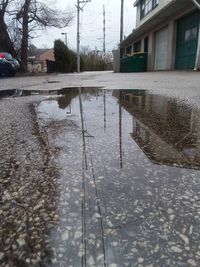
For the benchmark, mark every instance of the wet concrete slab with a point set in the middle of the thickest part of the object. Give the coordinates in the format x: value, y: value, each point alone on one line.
x: 117, y: 183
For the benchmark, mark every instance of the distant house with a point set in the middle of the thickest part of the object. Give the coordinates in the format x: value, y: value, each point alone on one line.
x: 38, y: 62
x: 168, y: 30
x: 48, y: 55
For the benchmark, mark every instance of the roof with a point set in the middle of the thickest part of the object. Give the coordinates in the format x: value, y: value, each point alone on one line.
x: 162, y: 16
x: 47, y: 55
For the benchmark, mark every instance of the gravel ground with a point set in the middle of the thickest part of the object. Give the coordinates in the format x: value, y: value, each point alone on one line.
x: 27, y: 186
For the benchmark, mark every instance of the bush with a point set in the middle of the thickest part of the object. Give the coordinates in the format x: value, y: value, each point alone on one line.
x: 64, y: 57
x: 93, y: 63
x: 66, y: 60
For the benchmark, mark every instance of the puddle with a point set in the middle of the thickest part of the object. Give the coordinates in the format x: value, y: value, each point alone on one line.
x: 127, y: 182
x: 165, y: 129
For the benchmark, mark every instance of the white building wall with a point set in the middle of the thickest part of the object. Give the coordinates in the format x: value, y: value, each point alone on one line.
x: 116, y: 60
x: 161, y: 4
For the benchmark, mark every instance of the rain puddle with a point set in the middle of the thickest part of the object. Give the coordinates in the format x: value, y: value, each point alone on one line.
x: 128, y: 182
x: 99, y: 178
x: 165, y: 129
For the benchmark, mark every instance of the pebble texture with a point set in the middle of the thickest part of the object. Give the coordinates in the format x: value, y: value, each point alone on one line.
x: 28, y: 197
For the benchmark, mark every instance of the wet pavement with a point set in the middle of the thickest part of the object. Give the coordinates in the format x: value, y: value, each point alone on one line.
x: 93, y: 177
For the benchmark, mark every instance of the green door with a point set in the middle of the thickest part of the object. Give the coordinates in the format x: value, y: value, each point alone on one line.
x: 187, y: 38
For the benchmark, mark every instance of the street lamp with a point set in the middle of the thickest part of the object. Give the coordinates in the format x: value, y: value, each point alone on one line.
x: 64, y: 33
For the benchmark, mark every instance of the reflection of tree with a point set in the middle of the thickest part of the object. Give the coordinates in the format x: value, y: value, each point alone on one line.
x: 69, y: 94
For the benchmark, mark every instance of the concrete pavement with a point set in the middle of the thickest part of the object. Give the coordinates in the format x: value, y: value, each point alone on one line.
x: 149, y: 80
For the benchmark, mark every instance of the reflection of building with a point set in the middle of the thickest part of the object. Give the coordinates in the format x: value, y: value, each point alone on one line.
x: 165, y: 129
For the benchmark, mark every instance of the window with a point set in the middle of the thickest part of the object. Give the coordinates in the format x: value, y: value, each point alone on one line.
x: 191, y: 34
x: 147, y: 6
x: 129, y: 50
x: 137, y: 47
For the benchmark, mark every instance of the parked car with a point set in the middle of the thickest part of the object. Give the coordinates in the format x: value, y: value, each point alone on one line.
x: 8, y: 64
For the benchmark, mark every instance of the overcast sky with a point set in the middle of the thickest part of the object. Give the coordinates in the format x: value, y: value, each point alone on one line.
x: 92, y: 24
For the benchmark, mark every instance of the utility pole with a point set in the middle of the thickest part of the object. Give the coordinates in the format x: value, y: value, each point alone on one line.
x: 104, y: 31
x: 120, y: 92
x: 78, y: 36
x: 80, y: 6
x: 122, y: 21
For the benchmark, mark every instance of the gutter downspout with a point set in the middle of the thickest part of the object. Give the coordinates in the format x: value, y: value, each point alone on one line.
x: 198, y: 45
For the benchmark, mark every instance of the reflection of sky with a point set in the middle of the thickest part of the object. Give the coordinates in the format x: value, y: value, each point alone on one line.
x: 49, y: 109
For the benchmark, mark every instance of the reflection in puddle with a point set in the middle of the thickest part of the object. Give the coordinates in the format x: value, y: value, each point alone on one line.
x: 103, y: 184
x: 165, y: 129
x: 117, y: 207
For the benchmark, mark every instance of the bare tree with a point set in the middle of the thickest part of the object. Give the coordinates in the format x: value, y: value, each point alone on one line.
x: 20, y: 20
x: 35, y: 14
x: 6, y: 43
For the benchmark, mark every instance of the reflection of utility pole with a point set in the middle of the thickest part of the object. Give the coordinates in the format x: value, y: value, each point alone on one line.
x: 104, y: 105
x: 70, y: 109
x: 82, y: 128
x: 79, y: 7
x: 84, y: 250
x: 120, y: 130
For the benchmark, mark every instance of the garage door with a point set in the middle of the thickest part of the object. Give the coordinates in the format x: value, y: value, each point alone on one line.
x: 161, y: 49
x: 186, y: 44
